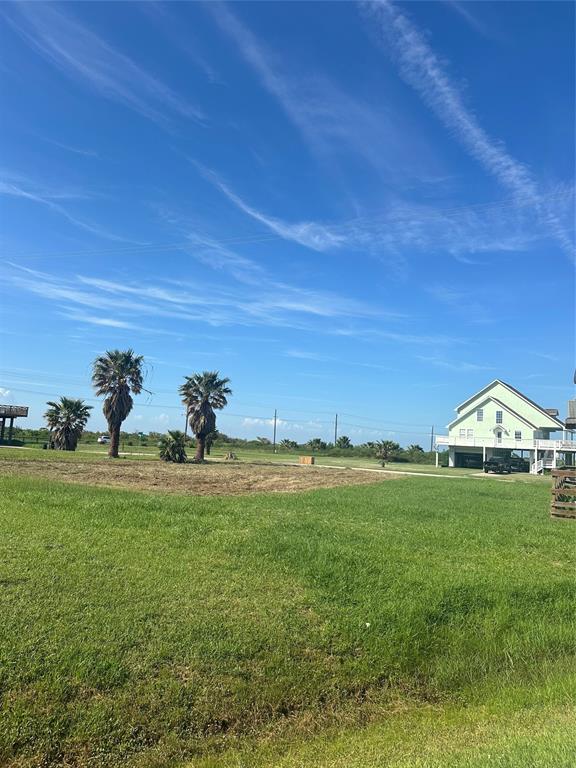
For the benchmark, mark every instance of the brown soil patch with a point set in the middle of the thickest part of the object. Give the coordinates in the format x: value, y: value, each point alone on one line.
x: 211, y: 479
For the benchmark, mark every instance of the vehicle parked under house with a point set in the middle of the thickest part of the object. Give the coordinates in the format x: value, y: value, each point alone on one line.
x: 499, y: 420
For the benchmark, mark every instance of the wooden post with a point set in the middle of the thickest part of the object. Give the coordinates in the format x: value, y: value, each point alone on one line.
x: 11, y: 428
x: 2, y: 429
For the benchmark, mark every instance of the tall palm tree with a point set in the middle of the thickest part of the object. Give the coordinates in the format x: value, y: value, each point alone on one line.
x: 66, y: 420
x: 202, y: 393
x: 116, y: 374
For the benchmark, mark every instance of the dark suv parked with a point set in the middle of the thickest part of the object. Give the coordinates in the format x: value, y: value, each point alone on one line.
x: 498, y: 464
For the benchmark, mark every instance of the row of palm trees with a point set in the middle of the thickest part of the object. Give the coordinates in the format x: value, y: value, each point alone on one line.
x: 116, y: 376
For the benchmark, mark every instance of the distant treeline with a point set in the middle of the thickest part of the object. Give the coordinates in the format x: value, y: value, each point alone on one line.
x: 223, y: 442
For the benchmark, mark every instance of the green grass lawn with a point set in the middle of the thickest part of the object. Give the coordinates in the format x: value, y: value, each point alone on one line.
x: 417, y: 623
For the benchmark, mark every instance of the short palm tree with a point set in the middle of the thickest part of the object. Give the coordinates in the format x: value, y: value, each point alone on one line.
x: 343, y: 442
x: 202, y: 393
x: 384, y: 449
x: 172, y: 447
x: 66, y: 420
x: 115, y: 375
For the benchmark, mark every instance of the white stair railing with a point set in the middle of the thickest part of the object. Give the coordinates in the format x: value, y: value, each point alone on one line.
x: 537, y: 467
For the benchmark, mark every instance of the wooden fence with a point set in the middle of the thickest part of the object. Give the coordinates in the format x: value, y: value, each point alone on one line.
x: 563, y: 503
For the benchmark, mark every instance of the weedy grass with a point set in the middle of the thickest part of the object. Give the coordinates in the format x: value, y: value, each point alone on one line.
x: 147, y: 630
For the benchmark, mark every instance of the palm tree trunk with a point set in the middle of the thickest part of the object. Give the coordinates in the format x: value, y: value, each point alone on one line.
x: 114, y: 441
x: 200, y: 448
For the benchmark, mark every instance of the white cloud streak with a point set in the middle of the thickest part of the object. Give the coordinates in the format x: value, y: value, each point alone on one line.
x: 17, y: 186
x: 502, y: 226
x: 329, y: 119
x: 83, y: 56
x: 456, y: 366
x: 421, y: 68
x: 307, y: 233
x: 121, y: 304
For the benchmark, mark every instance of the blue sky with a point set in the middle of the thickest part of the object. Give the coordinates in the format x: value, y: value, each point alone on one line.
x: 354, y: 208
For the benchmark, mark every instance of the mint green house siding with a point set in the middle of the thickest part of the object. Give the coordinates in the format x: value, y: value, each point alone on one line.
x: 488, y: 419
x: 522, y: 415
x: 500, y: 419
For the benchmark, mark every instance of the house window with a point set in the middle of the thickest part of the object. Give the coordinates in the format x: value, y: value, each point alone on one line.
x: 517, y: 435
x: 470, y: 434
x: 480, y: 414
x: 462, y: 433
x: 499, y: 436
x: 498, y: 417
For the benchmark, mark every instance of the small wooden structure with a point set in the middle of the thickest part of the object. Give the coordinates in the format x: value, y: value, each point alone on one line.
x: 10, y: 412
x: 563, y: 503
x: 306, y: 459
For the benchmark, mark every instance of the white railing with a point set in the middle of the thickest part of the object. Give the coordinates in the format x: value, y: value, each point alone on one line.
x: 506, y: 442
x: 537, y: 467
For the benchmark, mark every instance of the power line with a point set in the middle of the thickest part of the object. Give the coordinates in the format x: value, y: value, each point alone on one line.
x: 281, y: 418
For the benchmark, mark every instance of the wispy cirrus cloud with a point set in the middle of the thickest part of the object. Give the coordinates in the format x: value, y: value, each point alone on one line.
x: 70, y: 148
x: 422, y: 69
x: 307, y: 233
x: 461, y: 231
x: 78, y: 52
x: 458, y: 366
x: 318, y: 357
x: 18, y: 186
x: 463, y: 302
x: 472, y: 20
x: 270, y: 303
x: 329, y: 119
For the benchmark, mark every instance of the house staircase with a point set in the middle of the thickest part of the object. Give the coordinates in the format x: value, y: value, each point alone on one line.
x: 546, y: 462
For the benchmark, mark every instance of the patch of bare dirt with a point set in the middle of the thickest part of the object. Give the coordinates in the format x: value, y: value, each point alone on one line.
x: 211, y: 479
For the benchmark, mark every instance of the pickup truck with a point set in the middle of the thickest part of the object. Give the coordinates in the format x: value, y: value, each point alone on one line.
x: 518, y: 464
x: 498, y: 464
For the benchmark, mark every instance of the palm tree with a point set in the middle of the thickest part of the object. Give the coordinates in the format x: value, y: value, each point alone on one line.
x: 316, y: 444
x: 414, y: 449
x: 116, y: 374
x: 172, y: 447
x: 288, y: 445
x: 343, y: 442
x: 384, y: 448
x: 201, y: 393
x: 66, y: 419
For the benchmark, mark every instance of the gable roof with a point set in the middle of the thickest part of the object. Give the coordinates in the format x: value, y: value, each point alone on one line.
x: 516, y: 392
x: 502, y: 405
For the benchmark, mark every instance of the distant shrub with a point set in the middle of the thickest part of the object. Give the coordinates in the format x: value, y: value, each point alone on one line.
x: 172, y: 447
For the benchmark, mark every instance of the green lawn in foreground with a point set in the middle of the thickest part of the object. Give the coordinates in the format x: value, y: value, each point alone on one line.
x: 144, y: 630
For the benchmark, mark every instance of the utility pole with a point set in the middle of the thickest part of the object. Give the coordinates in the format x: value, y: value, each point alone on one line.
x: 335, y: 429
x: 432, y: 438
x: 274, y: 438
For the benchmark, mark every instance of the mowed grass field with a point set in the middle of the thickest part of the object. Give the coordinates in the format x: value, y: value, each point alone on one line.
x: 415, y: 622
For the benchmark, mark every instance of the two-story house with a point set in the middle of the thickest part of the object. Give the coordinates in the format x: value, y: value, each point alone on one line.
x: 498, y: 420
